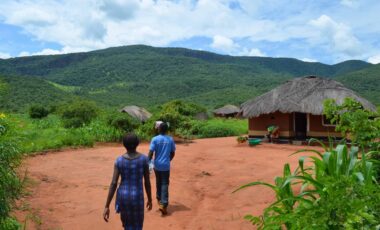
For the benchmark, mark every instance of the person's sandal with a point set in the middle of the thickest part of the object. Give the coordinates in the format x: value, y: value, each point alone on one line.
x: 163, y: 210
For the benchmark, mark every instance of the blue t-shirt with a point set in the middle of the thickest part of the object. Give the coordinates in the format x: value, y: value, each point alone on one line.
x: 162, y: 146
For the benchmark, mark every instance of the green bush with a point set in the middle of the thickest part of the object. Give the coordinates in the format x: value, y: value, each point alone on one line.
x: 187, y: 109
x: 38, y: 112
x: 10, y: 184
x: 77, y: 114
x: 10, y: 223
x: 218, y: 128
x: 333, y: 190
x: 122, y: 122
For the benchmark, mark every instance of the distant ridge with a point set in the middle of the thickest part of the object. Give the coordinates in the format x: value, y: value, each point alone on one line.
x: 148, y: 76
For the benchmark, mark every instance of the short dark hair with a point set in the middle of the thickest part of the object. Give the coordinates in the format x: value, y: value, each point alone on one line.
x: 163, y: 128
x: 130, y: 141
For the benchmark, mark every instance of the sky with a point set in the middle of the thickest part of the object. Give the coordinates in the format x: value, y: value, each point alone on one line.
x: 327, y: 31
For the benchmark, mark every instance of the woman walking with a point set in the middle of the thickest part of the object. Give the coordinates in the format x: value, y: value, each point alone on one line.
x: 132, y: 167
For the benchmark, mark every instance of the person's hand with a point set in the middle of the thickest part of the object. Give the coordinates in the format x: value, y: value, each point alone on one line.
x: 149, y: 205
x: 106, y: 214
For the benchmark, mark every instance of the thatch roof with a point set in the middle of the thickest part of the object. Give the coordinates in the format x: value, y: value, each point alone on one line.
x: 139, y: 113
x: 304, y: 95
x: 227, y: 109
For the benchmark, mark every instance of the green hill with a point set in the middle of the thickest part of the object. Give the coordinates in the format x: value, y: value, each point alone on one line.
x: 366, y: 82
x: 149, y: 76
x: 18, y: 93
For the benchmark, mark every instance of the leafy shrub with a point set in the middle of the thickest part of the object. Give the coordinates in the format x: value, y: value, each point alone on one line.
x: 338, y: 192
x: 78, y: 114
x: 218, y: 128
x: 122, y: 122
x: 187, y: 109
x: 10, y: 185
x: 362, y: 125
x: 38, y: 112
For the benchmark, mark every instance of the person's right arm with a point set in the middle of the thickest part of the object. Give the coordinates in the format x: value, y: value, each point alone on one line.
x: 151, y: 149
x: 172, y: 153
x: 111, y: 193
x: 148, y: 188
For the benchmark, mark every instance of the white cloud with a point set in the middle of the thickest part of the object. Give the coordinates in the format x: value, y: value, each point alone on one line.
x: 5, y: 55
x: 65, y: 50
x: 337, y: 37
x: 94, y: 24
x: 252, y: 52
x: 374, y: 59
x: 223, y: 43
x: 308, y: 60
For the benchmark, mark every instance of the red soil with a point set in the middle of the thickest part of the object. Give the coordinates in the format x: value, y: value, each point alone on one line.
x: 71, y: 186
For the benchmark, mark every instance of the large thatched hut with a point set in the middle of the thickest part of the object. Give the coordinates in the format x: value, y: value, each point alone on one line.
x: 136, y: 112
x: 297, y: 108
x: 226, y: 111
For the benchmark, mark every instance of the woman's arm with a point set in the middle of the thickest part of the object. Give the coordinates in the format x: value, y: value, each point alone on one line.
x: 111, y: 193
x: 148, y: 188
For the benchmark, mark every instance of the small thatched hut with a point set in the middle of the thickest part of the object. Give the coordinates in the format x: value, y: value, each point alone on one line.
x: 226, y: 111
x: 139, y: 113
x: 297, y: 108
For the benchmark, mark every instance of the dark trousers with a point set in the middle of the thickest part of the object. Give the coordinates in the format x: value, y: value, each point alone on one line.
x: 162, y: 186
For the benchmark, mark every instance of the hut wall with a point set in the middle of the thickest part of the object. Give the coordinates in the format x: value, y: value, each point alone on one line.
x: 318, y: 129
x: 258, y: 125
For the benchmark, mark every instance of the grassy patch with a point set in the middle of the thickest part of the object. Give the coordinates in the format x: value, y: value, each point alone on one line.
x: 49, y: 133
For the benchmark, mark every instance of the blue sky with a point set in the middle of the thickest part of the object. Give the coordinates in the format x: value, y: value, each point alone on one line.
x: 328, y: 31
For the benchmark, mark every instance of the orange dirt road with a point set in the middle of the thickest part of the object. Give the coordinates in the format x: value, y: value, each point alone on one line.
x: 70, y: 187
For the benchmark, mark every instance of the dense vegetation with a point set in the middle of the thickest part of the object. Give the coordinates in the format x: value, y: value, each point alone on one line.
x: 365, y: 81
x: 83, y: 124
x: 148, y: 76
x: 335, y: 189
x: 10, y: 184
x: 19, y: 93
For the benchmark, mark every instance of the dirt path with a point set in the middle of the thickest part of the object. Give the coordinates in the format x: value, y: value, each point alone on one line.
x: 71, y: 186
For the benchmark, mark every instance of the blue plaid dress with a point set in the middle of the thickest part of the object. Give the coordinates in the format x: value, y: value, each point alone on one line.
x: 130, y: 195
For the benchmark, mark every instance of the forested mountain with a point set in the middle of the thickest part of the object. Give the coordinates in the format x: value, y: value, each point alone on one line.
x: 148, y: 76
x: 366, y: 82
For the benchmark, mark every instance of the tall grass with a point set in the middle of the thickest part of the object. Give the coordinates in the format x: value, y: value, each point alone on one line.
x: 49, y: 133
x: 218, y: 127
x: 10, y: 184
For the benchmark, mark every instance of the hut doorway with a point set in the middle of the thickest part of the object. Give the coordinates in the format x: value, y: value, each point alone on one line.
x: 300, y: 125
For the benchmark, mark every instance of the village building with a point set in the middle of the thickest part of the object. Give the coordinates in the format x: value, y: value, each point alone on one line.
x: 136, y: 112
x: 226, y: 111
x: 296, y: 107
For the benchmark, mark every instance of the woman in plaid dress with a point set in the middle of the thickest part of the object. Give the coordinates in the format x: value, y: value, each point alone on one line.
x: 132, y: 167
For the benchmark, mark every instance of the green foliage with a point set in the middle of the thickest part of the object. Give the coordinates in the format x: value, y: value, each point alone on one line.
x: 10, y: 184
x: 38, y: 112
x: 150, y: 76
x: 122, y: 122
x: 18, y: 93
x: 183, y: 108
x: 79, y: 113
x: 338, y: 191
x: 218, y: 127
x: 363, y: 126
x: 10, y: 223
x: 365, y: 81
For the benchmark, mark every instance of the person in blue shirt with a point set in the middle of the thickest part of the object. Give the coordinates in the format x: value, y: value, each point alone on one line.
x: 163, y: 148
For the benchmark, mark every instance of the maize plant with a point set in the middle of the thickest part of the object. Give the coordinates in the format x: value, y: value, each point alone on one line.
x: 336, y: 171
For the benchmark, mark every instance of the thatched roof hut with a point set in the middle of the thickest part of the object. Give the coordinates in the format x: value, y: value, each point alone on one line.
x: 227, y: 111
x: 296, y: 107
x: 303, y: 95
x: 139, y: 113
